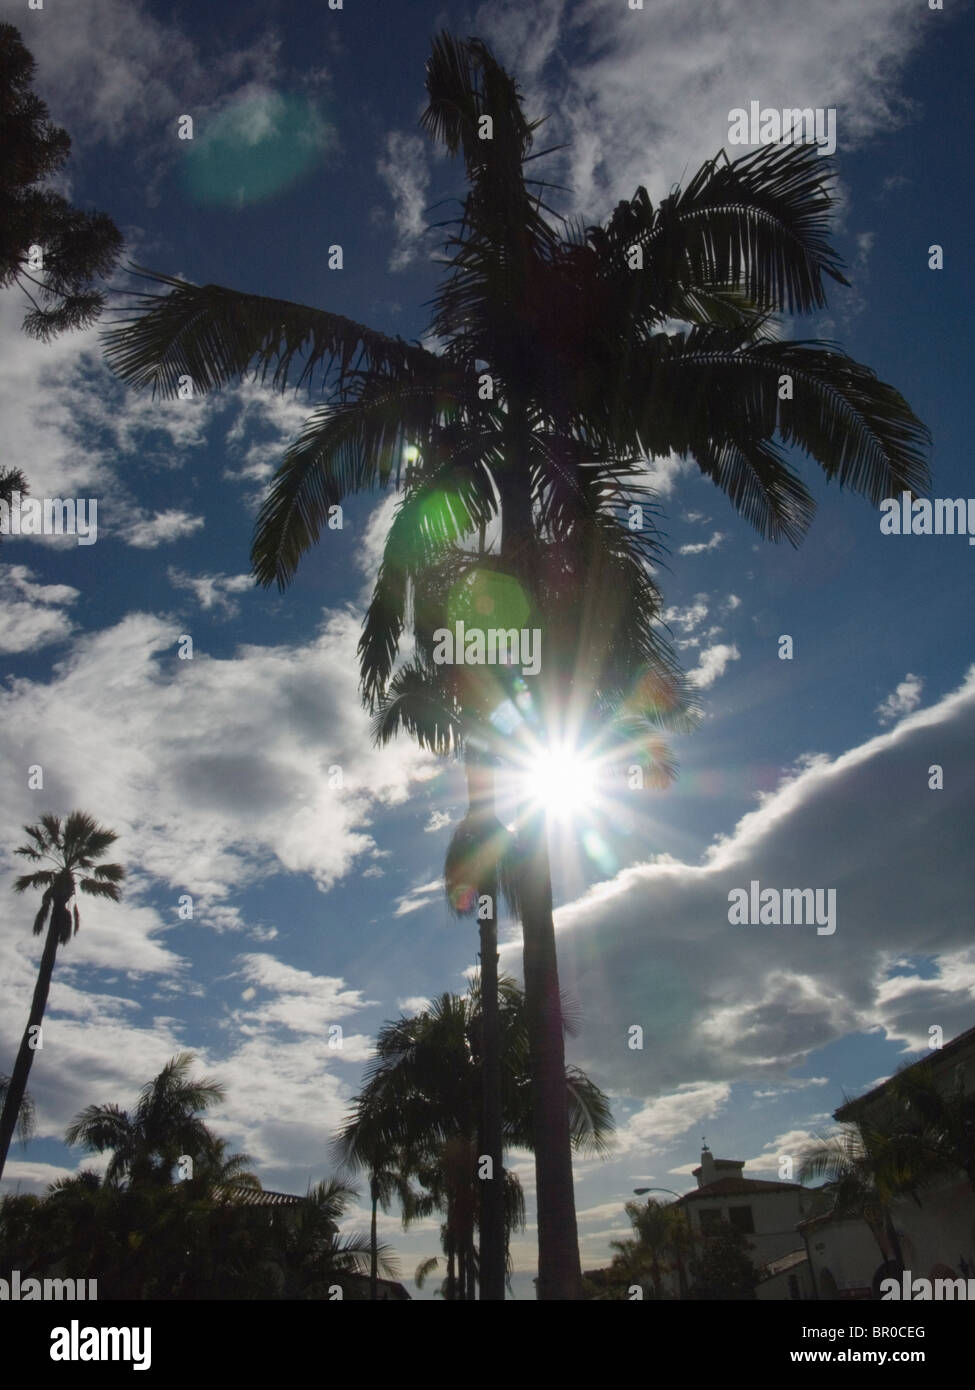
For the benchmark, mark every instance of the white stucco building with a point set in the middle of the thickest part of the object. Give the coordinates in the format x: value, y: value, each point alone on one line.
x: 936, y: 1232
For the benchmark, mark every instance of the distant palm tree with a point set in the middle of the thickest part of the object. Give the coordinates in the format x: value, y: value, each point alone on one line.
x: 165, y: 1125
x: 422, y: 1098
x: 11, y: 480
x: 72, y: 848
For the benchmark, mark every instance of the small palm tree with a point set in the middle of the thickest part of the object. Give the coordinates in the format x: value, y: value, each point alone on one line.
x: 865, y: 1171
x: 72, y: 848
x: 164, y: 1126
x: 940, y: 1120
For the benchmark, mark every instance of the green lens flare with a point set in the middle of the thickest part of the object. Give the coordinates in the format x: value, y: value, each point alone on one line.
x: 254, y: 148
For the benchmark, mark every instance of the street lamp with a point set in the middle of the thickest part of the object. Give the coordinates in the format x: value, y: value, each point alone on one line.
x: 641, y: 1192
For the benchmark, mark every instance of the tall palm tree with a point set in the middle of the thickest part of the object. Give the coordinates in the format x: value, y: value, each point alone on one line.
x: 479, y: 866
x: 165, y: 1125
x: 559, y: 376
x: 72, y: 848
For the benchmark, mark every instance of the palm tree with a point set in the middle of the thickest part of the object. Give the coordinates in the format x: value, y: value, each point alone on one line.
x: 26, y: 1119
x: 940, y: 1120
x: 865, y: 1172
x: 164, y: 1126
x: 422, y: 1102
x: 305, y: 1257
x: 655, y: 1229
x: 72, y: 848
x: 11, y: 480
x: 558, y: 377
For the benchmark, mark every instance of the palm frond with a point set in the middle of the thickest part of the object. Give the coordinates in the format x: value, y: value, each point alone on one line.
x: 214, y: 336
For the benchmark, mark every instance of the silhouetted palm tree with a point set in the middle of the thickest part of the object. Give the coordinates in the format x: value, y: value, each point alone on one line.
x: 558, y: 377
x: 165, y: 1125
x: 422, y: 1102
x: 72, y: 848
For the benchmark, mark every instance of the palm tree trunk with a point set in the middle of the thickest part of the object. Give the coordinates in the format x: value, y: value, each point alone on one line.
x: 451, y: 1266
x: 559, y: 1269
x: 25, y: 1055
x: 492, y: 1221
x: 373, y: 1247
x: 480, y: 797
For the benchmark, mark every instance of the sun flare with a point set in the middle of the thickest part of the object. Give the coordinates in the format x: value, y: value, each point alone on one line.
x: 561, y: 780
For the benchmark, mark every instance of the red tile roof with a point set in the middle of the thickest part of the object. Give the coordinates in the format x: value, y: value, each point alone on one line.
x: 740, y: 1187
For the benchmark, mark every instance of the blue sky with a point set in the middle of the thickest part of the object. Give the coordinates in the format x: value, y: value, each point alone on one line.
x: 315, y: 906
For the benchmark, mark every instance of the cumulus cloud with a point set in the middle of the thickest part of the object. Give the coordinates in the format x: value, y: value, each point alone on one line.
x: 32, y: 615
x: 904, y: 700
x: 720, y: 1003
x: 712, y: 664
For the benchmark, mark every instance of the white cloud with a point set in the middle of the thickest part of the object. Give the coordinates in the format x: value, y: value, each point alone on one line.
x: 415, y: 1004
x: 406, y: 173
x: 111, y: 71
x: 437, y: 820
x: 418, y: 898
x: 720, y: 1003
x: 32, y: 615
x: 213, y: 590
x: 662, y: 1120
x: 160, y: 529
x: 700, y: 547
x: 712, y: 664
x: 904, y: 700
x: 647, y: 93
x: 687, y: 619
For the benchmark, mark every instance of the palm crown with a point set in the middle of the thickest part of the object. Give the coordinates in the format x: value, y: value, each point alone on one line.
x: 73, y: 849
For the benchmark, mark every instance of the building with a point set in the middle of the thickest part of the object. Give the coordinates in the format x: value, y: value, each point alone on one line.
x: 765, y: 1213
x: 936, y: 1232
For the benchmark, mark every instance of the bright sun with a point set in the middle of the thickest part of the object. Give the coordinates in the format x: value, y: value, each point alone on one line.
x: 562, y: 781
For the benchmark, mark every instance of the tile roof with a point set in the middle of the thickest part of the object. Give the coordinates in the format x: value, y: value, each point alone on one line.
x: 240, y: 1195
x: 740, y: 1187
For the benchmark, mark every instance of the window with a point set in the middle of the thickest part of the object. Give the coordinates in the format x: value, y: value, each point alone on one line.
x: 741, y: 1220
x: 710, y: 1220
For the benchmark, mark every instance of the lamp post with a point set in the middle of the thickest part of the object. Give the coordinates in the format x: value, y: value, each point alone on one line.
x: 641, y: 1192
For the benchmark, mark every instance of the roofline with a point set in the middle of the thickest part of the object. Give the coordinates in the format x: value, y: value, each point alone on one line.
x: 849, y: 1108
